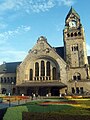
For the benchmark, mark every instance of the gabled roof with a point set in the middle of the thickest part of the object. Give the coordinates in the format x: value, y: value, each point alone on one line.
x: 74, y: 12
x: 9, y: 67
x: 60, y: 51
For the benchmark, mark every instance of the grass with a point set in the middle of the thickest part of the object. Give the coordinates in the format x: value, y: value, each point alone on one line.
x: 81, y: 108
x: 49, y: 108
x: 15, y: 113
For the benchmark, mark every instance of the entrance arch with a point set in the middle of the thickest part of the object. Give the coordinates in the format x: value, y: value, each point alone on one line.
x: 55, y: 91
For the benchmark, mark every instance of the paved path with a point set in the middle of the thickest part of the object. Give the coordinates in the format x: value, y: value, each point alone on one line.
x: 6, y: 104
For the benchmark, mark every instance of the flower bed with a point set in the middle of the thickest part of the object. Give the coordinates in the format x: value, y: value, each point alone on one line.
x: 75, y: 96
x: 14, y: 98
x: 57, y: 102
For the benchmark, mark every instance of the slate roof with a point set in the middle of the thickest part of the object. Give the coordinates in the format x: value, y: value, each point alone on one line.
x: 60, y: 51
x: 74, y: 12
x: 88, y: 59
x: 9, y: 67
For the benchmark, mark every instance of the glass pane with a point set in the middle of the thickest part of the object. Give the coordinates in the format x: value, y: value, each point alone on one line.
x: 42, y: 68
x: 48, y: 68
x: 54, y: 73
x: 31, y: 74
x: 36, y: 69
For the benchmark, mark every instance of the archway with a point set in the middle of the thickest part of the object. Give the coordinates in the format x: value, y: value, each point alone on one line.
x: 55, y: 91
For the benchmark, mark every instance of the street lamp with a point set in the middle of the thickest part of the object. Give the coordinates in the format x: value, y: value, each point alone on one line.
x: 12, y: 83
x: 75, y: 86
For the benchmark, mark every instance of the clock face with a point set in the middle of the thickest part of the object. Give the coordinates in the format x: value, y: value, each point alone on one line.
x: 72, y: 23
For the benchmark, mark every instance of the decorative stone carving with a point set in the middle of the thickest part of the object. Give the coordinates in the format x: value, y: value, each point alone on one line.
x: 47, y: 50
x: 35, y: 51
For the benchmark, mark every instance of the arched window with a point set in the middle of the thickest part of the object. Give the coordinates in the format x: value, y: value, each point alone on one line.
x: 54, y: 73
x: 76, y: 48
x: 4, y: 90
x: 72, y: 48
x: 8, y: 80
x: 75, y: 34
x: 5, y: 80
x: 48, y: 68
x: 42, y: 68
x: 31, y: 74
x: 68, y: 35
x: 36, y: 69
x: 79, y: 33
x: 71, y: 34
x: 1, y: 80
x: 11, y: 79
x: 77, y: 76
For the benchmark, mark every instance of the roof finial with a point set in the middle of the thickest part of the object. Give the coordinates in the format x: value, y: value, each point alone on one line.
x: 71, y: 8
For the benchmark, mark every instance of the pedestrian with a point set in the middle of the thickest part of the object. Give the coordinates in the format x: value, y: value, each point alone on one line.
x: 46, y: 95
x: 60, y: 95
x: 32, y: 96
x: 36, y: 95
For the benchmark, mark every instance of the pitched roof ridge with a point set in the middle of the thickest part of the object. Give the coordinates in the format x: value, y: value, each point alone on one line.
x: 59, y: 47
x: 12, y: 62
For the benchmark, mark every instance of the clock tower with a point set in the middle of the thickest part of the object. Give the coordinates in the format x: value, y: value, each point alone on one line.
x: 74, y: 41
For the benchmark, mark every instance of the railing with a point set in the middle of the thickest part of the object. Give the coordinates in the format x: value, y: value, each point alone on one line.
x: 42, y: 78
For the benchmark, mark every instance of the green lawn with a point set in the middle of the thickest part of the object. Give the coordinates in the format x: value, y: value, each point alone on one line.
x: 82, y: 108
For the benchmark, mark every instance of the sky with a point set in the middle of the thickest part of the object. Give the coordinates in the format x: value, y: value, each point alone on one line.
x: 22, y: 22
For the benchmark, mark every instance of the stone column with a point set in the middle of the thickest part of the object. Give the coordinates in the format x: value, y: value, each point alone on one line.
x: 39, y: 70
x: 34, y: 72
x: 45, y: 71
x: 51, y: 71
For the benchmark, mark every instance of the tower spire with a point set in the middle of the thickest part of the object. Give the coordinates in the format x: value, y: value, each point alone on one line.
x: 72, y: 11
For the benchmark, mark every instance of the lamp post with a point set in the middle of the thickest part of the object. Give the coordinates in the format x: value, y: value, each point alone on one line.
x: 75, y: 87
x: 12, y: 83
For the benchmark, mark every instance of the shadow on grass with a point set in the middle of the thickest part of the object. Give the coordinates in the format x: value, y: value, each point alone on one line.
x: 52, y: 116
x: 2, y: 112
x: 48, y: 108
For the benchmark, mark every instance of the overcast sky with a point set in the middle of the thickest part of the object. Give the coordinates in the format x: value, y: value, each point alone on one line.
x: 23, y: 21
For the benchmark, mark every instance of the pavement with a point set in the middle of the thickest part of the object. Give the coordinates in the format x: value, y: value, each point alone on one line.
x: 6, y: 104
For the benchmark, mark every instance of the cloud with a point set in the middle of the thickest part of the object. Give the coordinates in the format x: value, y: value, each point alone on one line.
x: 10, y: 54
x: 7, y: 5
x: 29, y: 6
x: 67, y: 2
x: 42, y: 6
x: 4, y: 36
x: 7, y: 51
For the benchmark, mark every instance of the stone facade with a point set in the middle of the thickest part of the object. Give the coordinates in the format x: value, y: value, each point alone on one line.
x: 55, y: 71
x: 8, y: 77
x: 42, y: 67
x: 75, y: 53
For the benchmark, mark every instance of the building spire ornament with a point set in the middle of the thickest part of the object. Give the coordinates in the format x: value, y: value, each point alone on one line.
x: 72, y: 11
x: 42, y: 38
